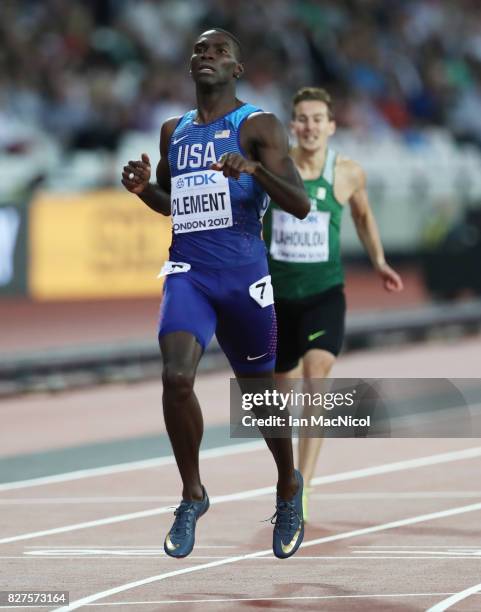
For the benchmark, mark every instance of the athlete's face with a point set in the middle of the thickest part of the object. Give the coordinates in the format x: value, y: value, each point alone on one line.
x: 214, y: 59
x: 311, y: 124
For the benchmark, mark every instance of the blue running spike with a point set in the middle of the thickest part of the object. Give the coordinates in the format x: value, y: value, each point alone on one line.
x: 289, y: 523
x: 180, y: 540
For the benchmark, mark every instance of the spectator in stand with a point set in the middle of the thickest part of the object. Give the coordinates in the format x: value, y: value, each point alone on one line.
x: 402, y: 65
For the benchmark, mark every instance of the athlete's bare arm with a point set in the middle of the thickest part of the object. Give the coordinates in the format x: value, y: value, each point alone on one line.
x: 265, y: 141
x: 155, y: 195
x: 353, y: 183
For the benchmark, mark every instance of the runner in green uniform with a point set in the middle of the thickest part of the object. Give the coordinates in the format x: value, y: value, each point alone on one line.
x: 304, y: 255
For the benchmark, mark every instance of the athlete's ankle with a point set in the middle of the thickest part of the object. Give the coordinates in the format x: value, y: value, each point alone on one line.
x: 288, y: 487
x: 193, y: 493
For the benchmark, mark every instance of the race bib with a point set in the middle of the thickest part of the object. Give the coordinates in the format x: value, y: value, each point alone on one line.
x: 300, y: 240
x: 262, y: 292
x: 200, y: 201
x: 173, y: 267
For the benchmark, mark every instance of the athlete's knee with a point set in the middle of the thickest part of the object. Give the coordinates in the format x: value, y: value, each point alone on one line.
x: 318, y: 364
x: 317, y: 371
x: 178, y: 382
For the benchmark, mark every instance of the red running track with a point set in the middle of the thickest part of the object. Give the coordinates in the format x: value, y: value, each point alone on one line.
x: 394, y: 523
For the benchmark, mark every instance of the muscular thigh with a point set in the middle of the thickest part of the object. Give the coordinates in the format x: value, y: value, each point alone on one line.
x: 187, y: 307
x: 246, y: 327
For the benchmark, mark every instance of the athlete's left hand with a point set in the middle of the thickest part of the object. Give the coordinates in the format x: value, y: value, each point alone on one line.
x: 390, y: 279
x: 232, y: 164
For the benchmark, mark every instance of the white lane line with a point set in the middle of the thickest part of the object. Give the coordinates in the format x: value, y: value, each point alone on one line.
x: 390, y: 546
x: 292, y: 598
x: 263, y: 553
x: 405, y: 464
x: 222, y: 451
x: 303, y: 558
x: 110, y: 520
x: 455, y: 598
x: 60, y: 548
x: 249, y: 494
x: 426, y: 553
x: 51, y: 501
x: 387, y: 495
x: 211, y: 453
x: 232, y: 599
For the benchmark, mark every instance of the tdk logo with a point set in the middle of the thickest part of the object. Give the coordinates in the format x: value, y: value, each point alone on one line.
x: 197, y: 180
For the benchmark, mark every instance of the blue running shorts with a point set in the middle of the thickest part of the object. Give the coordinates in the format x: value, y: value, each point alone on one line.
x: 237, y: 304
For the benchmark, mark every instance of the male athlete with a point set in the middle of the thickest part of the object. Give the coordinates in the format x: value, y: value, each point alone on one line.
x: 217, y: 163
x: 305, y: 259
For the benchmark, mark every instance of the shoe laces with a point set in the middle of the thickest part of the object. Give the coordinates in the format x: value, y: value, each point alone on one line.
x: 183, y: 519
x: 286, y: 517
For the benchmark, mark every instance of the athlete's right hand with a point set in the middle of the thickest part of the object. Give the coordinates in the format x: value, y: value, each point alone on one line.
x: 390, y: 278
x: 136, y: 175
x: 232, y: 164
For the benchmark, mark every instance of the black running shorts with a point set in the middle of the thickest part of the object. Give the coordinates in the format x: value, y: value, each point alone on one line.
x: 315, y: 322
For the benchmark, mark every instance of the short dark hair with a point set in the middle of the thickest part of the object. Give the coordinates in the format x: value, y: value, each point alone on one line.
x: 234, y: 39
x: 313, y: 93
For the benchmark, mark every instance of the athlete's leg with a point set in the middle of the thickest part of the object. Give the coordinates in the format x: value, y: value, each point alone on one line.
x: 285, y: 382
x: 186, y: 326
x: 288, y: 361
x: 247, y: 333
x: 281, y: 448
x: 316, y: 364
x: 294, y: 373
x: 288, y: 530
x: 183, y: 418
x: 290, y: 380
x: 322, y: 331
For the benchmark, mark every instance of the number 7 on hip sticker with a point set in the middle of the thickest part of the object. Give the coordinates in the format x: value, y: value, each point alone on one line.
x: 261, y: 291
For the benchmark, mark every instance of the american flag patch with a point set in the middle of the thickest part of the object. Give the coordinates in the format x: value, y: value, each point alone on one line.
x: 222, y: 134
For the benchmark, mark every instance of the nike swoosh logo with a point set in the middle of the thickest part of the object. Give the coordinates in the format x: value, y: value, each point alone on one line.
x: 286, y: 548
x: 315, y: 335
x: 176, y: 140
x: 170, y: 545
x: 249, y: 358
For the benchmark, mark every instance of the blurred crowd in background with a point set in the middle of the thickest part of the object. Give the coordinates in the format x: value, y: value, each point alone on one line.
x: 87, y: 71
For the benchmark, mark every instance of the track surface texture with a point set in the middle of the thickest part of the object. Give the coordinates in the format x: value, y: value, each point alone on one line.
x: 87, y: 485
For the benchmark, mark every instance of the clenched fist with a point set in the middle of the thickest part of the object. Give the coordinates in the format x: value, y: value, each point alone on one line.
x: 136, y: 175
x: 232, y: 164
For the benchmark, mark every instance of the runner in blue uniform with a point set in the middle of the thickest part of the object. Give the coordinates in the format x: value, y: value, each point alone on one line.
x: 218, y: 166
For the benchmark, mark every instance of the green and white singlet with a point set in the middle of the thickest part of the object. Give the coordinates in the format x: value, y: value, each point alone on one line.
x: 305, y: 255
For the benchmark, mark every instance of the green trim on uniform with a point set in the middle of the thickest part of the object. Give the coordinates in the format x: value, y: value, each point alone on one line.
x: 305, y: 255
